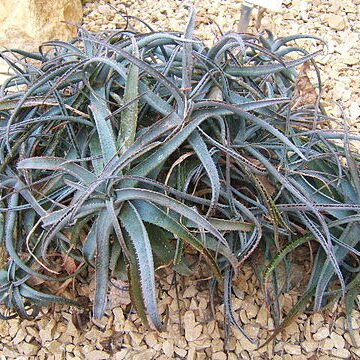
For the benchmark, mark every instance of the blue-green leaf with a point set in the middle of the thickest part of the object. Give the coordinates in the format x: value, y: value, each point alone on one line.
x: 137, y: 232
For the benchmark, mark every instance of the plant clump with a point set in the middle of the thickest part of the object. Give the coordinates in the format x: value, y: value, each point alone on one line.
x: 123, y: 151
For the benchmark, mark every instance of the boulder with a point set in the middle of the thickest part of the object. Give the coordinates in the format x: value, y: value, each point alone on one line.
x: 26, y: 24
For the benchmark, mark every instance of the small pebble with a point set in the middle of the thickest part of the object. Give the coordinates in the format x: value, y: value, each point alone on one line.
x: 292, y: 349
x: 336, y: 22
x: 327, y: 344
x: 338, y: 340
x: 97, y: 355
x: 309, y: 346
x: 321, y: 334
x: 341, y: 353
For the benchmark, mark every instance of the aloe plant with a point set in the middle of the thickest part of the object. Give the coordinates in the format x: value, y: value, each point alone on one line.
x: 123, y: 150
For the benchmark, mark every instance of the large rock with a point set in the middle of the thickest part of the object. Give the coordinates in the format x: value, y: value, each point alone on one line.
x: 26, y: 24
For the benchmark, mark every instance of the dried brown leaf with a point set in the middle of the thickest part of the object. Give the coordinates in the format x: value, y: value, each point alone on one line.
x: 119, y: 294
x: 304, y: 93
x: 68, y: 264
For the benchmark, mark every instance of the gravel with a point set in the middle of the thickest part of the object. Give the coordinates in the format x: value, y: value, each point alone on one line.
x: 192, y: 336
x: 192, y: 333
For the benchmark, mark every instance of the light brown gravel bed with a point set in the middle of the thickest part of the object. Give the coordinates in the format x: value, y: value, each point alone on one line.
x: 312, y: 336
x: 119, y: 336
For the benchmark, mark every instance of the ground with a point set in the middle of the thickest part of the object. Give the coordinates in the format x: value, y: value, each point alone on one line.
x: 63, y: 333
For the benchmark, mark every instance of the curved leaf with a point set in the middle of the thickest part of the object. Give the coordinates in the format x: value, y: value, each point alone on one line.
x: 203, y: 153
x: 55, y: 163
x: 139, y: 238
x: 100, y: 112
x: 102, y: 233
